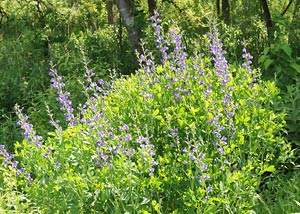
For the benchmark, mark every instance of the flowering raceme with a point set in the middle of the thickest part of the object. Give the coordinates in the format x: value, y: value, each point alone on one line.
x: 63, y: 97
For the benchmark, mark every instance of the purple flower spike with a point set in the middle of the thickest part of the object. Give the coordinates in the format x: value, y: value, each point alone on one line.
x: 247, y: 56
x: 160, y: 40
x: 28, y: 133
x: 63, y: 97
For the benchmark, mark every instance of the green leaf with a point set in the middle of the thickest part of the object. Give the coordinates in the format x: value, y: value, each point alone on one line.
x: 266, y: 168
x: 286, y: 49
x: 298, y: 203
x: 295, y: 66
x: 155, y: 112
x: 278, y: 68
x: 267, y: 63
x: 52, y: 134
x: 266, y: 50
x: 159, y: 117
x: 194, y: 110
x: 270, y: 168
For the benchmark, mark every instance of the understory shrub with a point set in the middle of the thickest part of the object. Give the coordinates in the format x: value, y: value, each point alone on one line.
x: 191, y: 134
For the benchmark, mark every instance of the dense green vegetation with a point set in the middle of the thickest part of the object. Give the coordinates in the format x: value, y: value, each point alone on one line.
x: 168, y: 114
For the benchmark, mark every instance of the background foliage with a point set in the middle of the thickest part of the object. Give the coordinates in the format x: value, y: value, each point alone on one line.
x: 77, y: 35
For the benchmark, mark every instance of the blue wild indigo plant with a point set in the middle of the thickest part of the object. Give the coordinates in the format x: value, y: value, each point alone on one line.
x: 190, y: 134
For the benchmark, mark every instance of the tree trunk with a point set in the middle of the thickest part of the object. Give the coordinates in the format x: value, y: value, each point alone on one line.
x: 218, y: 8
x: 294, y: 31
x: 226, y: 11
x: 151, y: 7
x: 267, y: 15
x: 110, y: 11
x: 128, y: 19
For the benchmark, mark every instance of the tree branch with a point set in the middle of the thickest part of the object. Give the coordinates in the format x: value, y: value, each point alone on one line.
x: 287, y: 7
x: 174, y: 4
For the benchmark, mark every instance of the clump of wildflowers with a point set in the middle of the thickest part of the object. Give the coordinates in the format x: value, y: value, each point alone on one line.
x: 14, y: 164
x: 159, y: 141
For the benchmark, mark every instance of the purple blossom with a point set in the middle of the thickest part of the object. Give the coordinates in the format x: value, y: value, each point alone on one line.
x: 7, y: 156
x: 46, y: 155
x: 247, y: 56
x: 222, y: 74
x: 209, y: 188
x: 179, y: 56
x: 28, y: 176
x: 160, y: 40
x: 100, y: 142
x: 125, y: 127
x: 220, y: 61
x: 206, y: 198
x: 63, y: 97
x: 19, y: 171
x: 28, y: 133
x: 14, y: 164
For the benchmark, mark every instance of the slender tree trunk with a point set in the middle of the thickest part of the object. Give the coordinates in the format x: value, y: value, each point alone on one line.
x: 128, y: 19
x: 287, y: 7
x: 151, y: 7
x: 268, y: 19
x: 218, y: 8
x: 294, y: 31
x: 44, y: 43
x: 110, y: 11
x: 226, y: 11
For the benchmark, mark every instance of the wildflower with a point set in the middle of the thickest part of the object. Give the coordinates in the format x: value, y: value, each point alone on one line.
x: 46, y: 155
x: 14, y: 164
x: 100, y: 142
x: 28, y: 133
x: 101, y: 134
x: 7, y: 156
x: 247, y: 56
x: 160, y: 40
x: 209, y: 188
x: 206, y: 177
x: 131, y: 152
x: 128, y: 137
x: 206, y: 198
x: 179, y: 56
x: 204, y: 167
x: 63, y: 97
x: 19, y: 171
x: 29, y: 178
x: 124, y: 128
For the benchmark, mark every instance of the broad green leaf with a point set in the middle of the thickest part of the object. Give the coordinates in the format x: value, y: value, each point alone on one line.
x: 159, y: 117
x: 270, y: 168
x: 295, y: 66
x: 155, y: 112
x: 194, y: 110
x: 286, y: 49
x: 267, y: 63
x: 159, y: 69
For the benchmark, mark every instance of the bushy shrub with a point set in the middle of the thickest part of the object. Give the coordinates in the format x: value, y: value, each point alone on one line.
x: 187, y: 135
